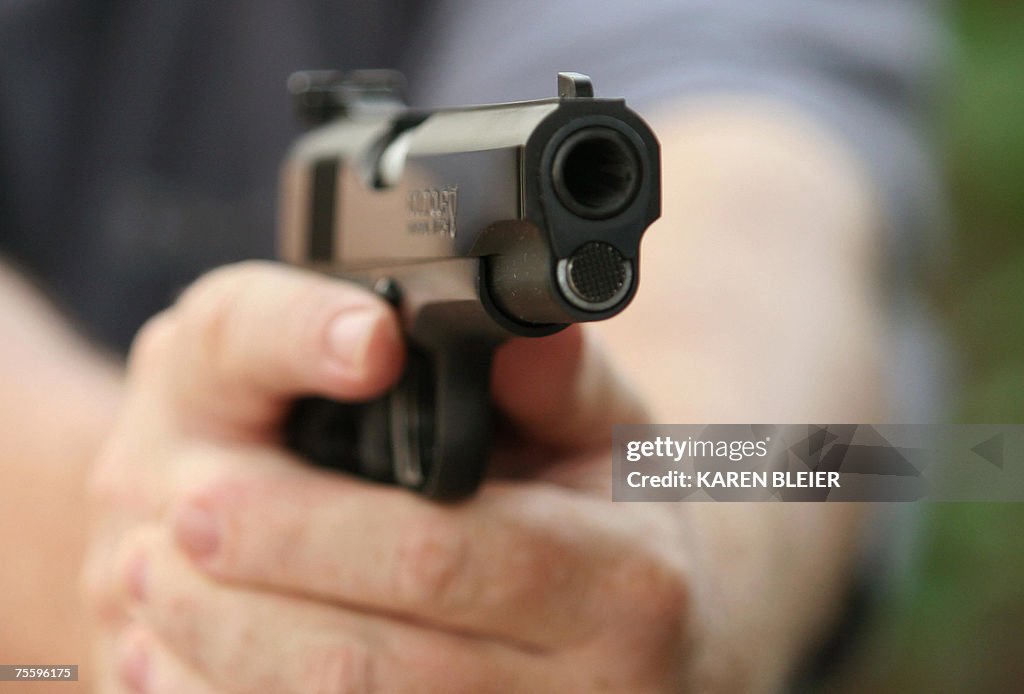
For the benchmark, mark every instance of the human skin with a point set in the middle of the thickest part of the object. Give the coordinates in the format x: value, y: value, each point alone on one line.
x: 538, y: 583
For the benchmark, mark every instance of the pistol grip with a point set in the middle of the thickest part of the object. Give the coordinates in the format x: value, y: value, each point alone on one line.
x: 430, y: 433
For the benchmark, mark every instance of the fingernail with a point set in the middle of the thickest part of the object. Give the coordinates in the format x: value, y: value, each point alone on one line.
x: 348, y: 337
x: 136, y: 576
x: 133, y: 666
x: 197, y: 531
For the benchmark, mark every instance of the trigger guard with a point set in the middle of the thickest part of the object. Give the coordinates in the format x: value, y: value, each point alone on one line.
x: 440, y: 421
x: 411, y: 424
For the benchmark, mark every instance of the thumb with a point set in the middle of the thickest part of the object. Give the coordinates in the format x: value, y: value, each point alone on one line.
x: 562, y: 390
x: 247, y: 339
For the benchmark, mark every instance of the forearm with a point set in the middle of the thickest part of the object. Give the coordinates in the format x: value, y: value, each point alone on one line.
x: 759, y: 299
x: 759, y: 304
x: 57, y: 396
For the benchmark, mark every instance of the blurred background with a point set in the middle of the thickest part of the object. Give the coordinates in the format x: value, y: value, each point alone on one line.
x: 955, y: 622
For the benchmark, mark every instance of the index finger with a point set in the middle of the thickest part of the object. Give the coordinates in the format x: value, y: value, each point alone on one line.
x: 247, y: 339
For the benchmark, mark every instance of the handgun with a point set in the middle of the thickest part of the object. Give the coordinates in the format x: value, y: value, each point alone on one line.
x: 477, y: 224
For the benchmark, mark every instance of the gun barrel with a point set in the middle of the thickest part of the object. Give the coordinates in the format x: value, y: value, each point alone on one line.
x: 596, y: 172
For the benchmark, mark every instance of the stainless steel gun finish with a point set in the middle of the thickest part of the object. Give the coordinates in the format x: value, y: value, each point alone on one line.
x: 478, y: 224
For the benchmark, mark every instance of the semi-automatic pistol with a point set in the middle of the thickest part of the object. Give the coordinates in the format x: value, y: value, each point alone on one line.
x: 478, y: 224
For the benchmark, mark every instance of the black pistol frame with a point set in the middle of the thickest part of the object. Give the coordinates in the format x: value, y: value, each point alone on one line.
x: 477, y: 224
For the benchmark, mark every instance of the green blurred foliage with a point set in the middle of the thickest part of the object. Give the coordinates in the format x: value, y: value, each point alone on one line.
x: 984, y: 296
x: 955, y: 622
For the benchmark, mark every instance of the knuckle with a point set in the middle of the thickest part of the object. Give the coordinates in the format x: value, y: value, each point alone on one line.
x: 430, y: 561
x: 153, y: 343
x: 235, y: 490
x: 339, y: 669
x: 219, y: 318
x: 223, y: 495
x: 237, y: 504
x: 206, y: 308
x: 208, y: 303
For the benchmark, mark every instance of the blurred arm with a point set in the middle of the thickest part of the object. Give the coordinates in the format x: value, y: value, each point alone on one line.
x: 759, y: 303
x: 56, y: 400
